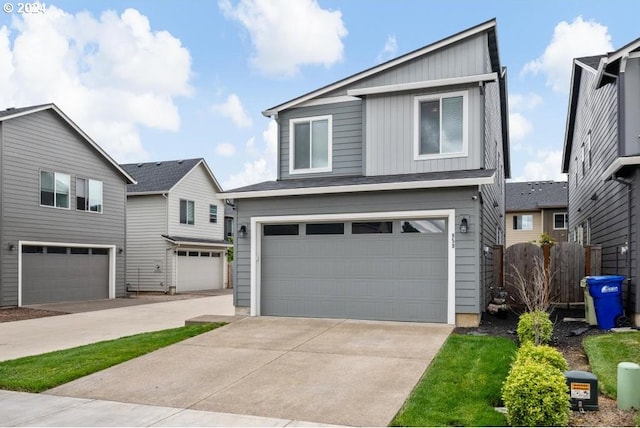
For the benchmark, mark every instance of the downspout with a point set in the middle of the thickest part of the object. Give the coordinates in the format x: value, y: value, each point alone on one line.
x: 627, y: 183
x: 166, y: 251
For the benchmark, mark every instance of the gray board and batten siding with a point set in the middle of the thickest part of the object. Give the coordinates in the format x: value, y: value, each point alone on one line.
x: 466, y: 244
x: 44, y: 141
x: 596, y: 118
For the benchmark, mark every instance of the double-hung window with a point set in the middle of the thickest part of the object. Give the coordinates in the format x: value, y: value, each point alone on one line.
x: 54, y: 189
x: 560, y: 221
x: 523, y: 222
x: 440, y: 125
x: 310, y: 144
x: 213, y: 213
x: 88, y: 195
x: 187, y: 212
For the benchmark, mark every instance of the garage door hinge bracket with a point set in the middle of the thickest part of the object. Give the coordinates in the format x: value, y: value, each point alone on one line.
x: 453, y: 240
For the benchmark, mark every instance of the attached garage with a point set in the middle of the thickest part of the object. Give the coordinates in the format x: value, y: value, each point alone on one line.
x: 199, y: 270
x: 55, y: 273
x: 395, y: 269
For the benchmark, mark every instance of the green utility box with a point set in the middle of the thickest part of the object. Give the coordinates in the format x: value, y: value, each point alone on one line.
x: 583, y: 389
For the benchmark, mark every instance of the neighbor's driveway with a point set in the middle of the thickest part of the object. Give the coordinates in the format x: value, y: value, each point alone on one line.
x: 40, y: 335
x: 321, y: 370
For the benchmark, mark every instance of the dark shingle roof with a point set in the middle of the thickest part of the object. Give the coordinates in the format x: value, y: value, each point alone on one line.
x: 158, y: 176
x: 535, y: 195
x: 304, y: 183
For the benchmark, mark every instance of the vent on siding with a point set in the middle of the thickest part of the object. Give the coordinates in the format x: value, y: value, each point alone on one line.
x: 180, y: 162
x: 158, y: 163
x: 140, y: 165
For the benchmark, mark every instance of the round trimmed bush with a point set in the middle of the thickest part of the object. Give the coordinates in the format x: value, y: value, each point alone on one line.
x: 535, y: 327
x: 542, y: 354
x: 536, y: 394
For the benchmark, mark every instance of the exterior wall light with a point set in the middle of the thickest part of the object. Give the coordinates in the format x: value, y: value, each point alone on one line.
x: 242, y: 232
x: 464, y: 225
x: 12, y: 247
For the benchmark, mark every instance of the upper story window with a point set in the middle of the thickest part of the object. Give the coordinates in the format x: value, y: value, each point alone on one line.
x: 310, y: 144
x: 523, y: 222
x: 54, y: 189
x: 213, y: 213
x: 187, y: 212
x: 560, y: 221
x: 440, y: 125
x: 88, y: 195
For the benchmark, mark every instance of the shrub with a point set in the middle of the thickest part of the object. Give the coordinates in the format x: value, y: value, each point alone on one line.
x: 536, y: 394
x: 544, y: 354
x: 535, y: 327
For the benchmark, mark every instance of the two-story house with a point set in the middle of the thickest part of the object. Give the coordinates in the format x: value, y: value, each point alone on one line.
x: 62, y: 211
x: 602, y: 158
x: 389, y: 195
x: 534, y: 208
x: 175, y: 227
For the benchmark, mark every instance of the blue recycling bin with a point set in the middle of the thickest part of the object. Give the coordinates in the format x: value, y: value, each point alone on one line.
x: 607, y: 299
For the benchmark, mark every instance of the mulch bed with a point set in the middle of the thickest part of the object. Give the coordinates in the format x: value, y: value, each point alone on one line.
x: 570, y: 344
x: 19, y: 314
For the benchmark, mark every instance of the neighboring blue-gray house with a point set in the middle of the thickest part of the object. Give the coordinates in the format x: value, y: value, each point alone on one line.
x: 602, y: 158
x: 62, y: 205
x: 390, y: 192
x: 175, y: 227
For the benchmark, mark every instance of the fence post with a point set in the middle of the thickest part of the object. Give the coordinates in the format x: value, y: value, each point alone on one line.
x: 546, y: 251
x: 587, y: 260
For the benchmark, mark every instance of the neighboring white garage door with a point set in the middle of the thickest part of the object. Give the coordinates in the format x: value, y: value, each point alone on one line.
x: 199, y: 270
x: 62, y: 274
x: 382, y: 270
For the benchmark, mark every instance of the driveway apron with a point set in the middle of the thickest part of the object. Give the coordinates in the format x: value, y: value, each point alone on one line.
x: 344, y: 372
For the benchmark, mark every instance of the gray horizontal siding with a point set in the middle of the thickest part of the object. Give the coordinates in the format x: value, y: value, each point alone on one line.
x: 43, y: 141
x: 467, y: 269
x: 346, y: 134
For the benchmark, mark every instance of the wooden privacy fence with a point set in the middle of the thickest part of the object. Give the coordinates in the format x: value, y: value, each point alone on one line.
x: 565, y: 264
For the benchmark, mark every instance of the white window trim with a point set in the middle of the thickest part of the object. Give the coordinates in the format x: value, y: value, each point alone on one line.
x: 522, y: 229
x: 88, y: 196
x: 566, y: 223
x: 194, y: 212
x: 256, y: 240
x: 465, y: 125
x: 112, y: 262
x: 54, y: 189
x: 329, y: 167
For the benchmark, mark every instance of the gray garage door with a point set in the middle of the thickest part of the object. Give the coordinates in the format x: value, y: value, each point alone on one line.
x: 380, y: 270
x: 63, y: 274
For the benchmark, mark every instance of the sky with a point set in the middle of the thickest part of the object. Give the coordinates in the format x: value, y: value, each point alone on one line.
x: 153, y: 80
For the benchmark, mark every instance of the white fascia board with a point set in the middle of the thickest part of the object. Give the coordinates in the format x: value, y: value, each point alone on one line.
x: 329, y: 100
x: 424, y: 84
x: 407, y: 185
x: 255, y: 251
x: 617, y: 164
x: 382, y: 67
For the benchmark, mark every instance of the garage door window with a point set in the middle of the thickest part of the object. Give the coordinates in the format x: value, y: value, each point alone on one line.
x: 100, y: 251
x: 32, y: 249
x: 56, y: 250
x: 325, y: 229
x: 281, y: 229
x: 79, y: 251
x: 423, y: 226
x: 372, y: 227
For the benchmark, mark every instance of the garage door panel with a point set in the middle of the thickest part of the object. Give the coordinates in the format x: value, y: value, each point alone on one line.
x: 382, y: 276
x: 198, y: 271
x: 50, y: 277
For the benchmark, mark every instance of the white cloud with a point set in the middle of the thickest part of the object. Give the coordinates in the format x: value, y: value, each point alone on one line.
x: 261, y: 169
x: 519, y: 127
x: 524, y: 102
x: 110, y: 74
x: 546, y: 166
x: 226, y: 149
x: 233, y: 109
x: 389, y: 50
x: 289, y: 34
x: 570, y: 40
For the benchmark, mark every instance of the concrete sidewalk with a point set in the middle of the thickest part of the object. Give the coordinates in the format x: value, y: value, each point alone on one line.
x: 40, y: 335
x: 22, y: 409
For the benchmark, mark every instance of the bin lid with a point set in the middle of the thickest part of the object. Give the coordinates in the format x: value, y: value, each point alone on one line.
x: 593, y: 280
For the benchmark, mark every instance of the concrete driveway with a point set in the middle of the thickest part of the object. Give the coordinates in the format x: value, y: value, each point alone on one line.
x: 343, y: 372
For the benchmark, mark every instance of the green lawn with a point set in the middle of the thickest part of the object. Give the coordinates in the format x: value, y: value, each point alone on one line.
x: 606, y: 351
x: 462, y: 385
x: 41, y: 372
